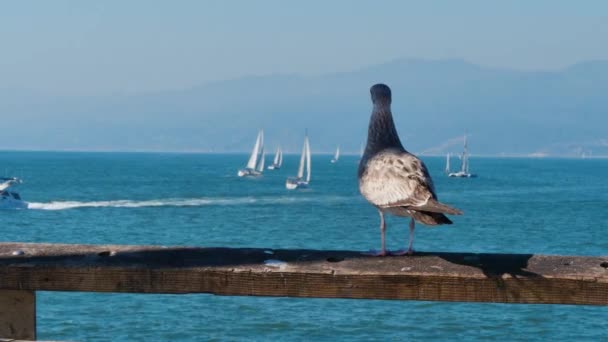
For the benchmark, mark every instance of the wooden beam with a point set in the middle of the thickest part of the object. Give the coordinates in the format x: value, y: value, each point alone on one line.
x: 18, y: 314
x: 467, y: 277
x: 14, y: 340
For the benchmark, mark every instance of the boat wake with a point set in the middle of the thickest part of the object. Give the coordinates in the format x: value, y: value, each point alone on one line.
x: 183, y: 202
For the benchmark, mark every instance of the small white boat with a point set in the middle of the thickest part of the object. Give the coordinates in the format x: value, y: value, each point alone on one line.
x: 10, y: 199
x: 255, y: 165
x: 278, y: 160
x: 464, y: 164
x: 336, y: 156
x: 299, y: 182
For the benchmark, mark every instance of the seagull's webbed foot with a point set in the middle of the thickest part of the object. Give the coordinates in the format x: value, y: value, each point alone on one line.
x: 375, y: 253
x: 402, y: 252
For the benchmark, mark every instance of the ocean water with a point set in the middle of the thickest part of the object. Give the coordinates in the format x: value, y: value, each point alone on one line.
x: 548, y: 206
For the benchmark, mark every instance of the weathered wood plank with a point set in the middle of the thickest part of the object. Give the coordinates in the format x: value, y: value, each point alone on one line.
x: 18, y: 314
x: 504, y: 278
x: 14, y: 340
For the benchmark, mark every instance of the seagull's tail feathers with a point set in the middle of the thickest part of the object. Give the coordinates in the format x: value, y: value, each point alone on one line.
x: 436, y: 207
x: 431, y: 219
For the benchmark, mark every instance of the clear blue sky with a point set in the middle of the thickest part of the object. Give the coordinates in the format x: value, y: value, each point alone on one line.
x: 95, y: 47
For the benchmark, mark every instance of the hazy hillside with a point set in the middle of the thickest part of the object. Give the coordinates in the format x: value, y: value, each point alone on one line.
x: 504, y: 111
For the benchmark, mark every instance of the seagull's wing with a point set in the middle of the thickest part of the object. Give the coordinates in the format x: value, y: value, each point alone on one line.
x: 400, y: 179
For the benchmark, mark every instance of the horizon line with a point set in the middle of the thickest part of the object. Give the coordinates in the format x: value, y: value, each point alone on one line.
x: 328, y: 153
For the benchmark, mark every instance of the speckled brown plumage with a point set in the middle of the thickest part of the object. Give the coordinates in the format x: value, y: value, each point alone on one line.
x: 392, y: 179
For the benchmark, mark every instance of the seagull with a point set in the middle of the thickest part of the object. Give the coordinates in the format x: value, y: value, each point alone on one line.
x: 392, y: 179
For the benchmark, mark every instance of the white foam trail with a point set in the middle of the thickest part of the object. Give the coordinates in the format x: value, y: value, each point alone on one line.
x: 178, y: 202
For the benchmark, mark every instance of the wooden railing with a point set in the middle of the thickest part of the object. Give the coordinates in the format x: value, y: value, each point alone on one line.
x: 466, y: 277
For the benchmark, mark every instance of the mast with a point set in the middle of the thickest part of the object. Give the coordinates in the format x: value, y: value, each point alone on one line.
x: 260, y: 167
x: 465, y: 156
x: 307, y: 144
x: 302, y: 160
x: 463, y: 162
x: 276, y: 156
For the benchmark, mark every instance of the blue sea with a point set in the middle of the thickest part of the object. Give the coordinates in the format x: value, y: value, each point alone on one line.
x: 546, y: 206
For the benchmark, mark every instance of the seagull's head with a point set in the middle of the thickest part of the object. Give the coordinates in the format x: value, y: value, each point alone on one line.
x: 381, y: 94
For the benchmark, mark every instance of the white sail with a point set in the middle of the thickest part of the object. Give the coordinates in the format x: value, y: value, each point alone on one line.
x: 277, y: 161
x: 277, y: 155
x: 259, y: 143
x: 465, y: 157
x: 447, y: 163
x: 464, y: 163
x: 307, y: 144
x: 299, y: 182
x: 260, y: 167
x: 336, y: 155
x: 302, y: 161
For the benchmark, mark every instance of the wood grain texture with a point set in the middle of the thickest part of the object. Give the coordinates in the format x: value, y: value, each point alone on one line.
x: 467, y: 277
x: 17, y: 314
x: 16, y: 340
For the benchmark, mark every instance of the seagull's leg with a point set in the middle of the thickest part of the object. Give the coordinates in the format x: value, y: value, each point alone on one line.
x: 382, y: 238
x: 410, y: 250
x: 382, y: 233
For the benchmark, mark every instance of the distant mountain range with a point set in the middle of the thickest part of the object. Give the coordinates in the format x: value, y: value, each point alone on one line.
x: 503, y: 111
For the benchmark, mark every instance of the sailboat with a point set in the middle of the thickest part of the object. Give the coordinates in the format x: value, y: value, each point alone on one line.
x: 278, y: 160
x: 299, y: 182
x: 336, y: 156
x: 464, y: 164
x: 361, y: 151
x: 447, y: 164
x: 255, y: 165
x: 10, y: 199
